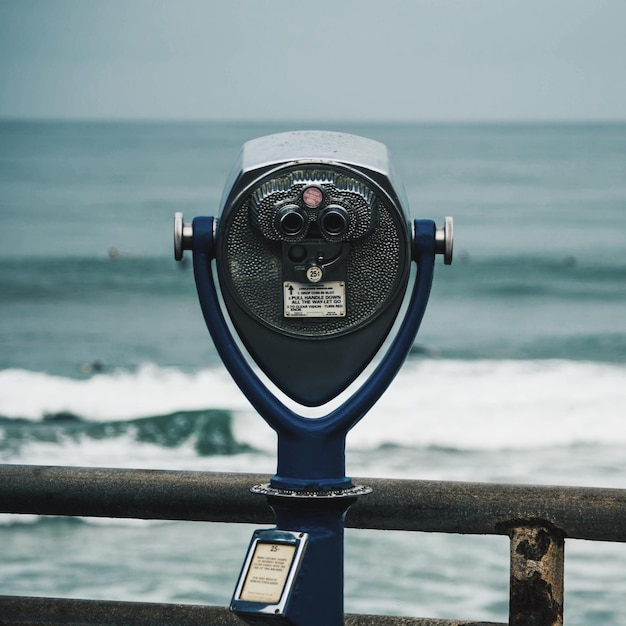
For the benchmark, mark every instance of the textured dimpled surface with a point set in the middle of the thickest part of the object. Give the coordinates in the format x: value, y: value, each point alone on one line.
x: 254, y: 275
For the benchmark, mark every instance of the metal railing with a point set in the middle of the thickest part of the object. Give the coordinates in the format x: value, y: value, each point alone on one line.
x: 538, y: 520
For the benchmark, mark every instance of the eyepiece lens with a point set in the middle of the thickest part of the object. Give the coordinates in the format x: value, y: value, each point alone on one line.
x: 334, y: 222
x: 291, y: 222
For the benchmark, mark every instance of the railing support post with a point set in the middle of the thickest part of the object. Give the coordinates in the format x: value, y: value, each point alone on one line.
x: 537, y: 567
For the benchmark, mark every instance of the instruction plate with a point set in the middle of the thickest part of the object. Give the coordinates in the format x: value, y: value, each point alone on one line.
x: 267, y: 572
x: 314, y: 299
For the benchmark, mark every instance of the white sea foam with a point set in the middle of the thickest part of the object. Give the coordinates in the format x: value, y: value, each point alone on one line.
x: 499, y: 404
x: 459, y: 404
x: 121, y: 395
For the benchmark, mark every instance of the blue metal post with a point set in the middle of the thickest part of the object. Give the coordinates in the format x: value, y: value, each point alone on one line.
x: 318, y: 595
x: 310, y: 491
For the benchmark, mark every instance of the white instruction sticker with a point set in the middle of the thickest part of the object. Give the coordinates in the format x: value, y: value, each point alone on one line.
x: 314, y: 299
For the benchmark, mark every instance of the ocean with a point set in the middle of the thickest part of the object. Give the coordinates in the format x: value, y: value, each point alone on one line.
x: 518, y: 373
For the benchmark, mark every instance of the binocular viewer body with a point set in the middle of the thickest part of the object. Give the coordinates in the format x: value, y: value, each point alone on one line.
x: 313, y: 250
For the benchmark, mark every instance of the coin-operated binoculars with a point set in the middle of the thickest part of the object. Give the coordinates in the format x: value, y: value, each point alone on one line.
x: 313, y: 251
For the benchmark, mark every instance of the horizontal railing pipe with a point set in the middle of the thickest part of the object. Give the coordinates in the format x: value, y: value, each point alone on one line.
x: 17, y: 611
x: 413, y: 505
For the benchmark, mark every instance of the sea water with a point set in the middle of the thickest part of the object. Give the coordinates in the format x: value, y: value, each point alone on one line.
x: 518, y: 374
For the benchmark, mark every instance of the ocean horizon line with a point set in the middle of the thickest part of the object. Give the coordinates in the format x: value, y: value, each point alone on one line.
x: 478, y: 122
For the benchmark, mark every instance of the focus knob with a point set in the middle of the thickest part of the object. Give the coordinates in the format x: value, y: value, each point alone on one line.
x: 183, y: 236
x: 444, y: 241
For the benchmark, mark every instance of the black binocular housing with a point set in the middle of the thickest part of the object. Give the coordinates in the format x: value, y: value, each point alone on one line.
x: 313, y: 249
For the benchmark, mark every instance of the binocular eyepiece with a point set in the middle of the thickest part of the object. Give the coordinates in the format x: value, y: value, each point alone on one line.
x: 313, y: 203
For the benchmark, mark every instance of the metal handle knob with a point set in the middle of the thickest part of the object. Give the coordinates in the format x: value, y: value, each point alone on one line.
x: 444, y: 238
x: 183, y: 236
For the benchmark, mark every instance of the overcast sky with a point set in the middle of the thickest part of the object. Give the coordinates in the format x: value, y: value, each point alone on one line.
x: 323, y: 59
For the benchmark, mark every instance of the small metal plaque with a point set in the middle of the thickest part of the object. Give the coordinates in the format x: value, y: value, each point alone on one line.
x: 269, y: 572
x: 324, y: 299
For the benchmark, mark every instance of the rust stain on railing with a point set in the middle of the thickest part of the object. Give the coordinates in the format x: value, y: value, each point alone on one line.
x: 537, y: 571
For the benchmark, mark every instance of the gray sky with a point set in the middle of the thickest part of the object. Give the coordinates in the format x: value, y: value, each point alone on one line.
x: 326, y: 60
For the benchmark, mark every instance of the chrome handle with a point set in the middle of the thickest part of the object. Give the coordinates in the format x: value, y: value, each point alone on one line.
x: 444, y: 240
x: 183, y: 236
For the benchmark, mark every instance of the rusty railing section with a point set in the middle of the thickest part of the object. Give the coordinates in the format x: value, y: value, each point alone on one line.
x: 537, y: 519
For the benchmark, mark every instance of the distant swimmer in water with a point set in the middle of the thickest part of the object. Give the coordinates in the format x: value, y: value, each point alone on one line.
x: 96, y: 367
